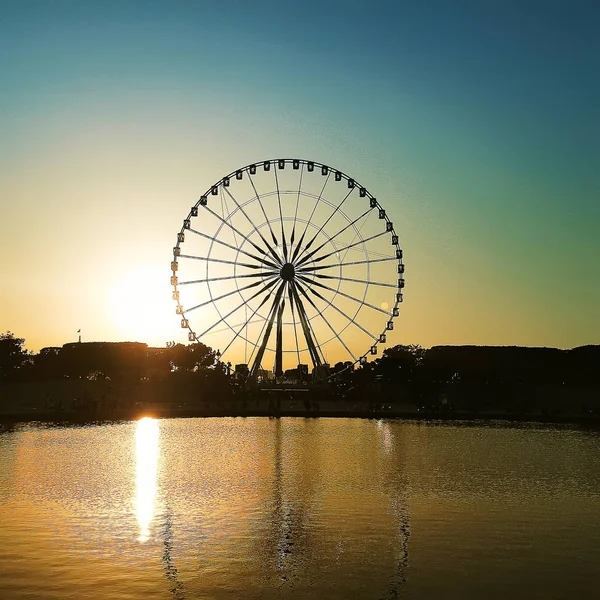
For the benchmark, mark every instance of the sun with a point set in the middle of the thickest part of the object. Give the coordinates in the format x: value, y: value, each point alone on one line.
x: 141, y: 308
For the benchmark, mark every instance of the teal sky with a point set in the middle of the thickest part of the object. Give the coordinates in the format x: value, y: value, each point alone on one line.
x: 476, y: 123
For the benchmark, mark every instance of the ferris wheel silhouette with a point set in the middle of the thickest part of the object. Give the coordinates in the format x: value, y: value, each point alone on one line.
x: 289, y: 258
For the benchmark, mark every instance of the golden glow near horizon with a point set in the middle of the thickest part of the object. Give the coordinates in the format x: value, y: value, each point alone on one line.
x: 141, y: 307
x: 146, y: 453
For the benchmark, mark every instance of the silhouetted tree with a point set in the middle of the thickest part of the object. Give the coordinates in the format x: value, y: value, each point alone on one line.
x: 46, y: 364
x: 13, y: 355
x: 400, y: 363
x: 192, y: 357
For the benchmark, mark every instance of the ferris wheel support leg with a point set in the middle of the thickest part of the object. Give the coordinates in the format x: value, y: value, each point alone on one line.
x: 289, y: 290
x: 310, y: 342
x: 279, y: 348
x: 267, y: 335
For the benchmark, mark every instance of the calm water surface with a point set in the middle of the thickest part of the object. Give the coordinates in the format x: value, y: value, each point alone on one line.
x: 303, y: 508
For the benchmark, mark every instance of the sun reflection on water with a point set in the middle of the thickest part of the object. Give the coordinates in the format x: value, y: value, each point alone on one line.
x: 387, y: 438
x: 146, y: 452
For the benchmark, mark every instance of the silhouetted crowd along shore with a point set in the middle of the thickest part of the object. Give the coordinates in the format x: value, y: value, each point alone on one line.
x: 123, y: 380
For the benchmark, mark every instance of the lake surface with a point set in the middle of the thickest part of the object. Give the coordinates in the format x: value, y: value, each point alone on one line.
x: 300, y: 508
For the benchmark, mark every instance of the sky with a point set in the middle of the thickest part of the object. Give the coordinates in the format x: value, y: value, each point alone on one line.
x: 475, y: 123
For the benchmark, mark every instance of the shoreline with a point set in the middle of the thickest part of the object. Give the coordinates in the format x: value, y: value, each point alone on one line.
x: 154, y: 412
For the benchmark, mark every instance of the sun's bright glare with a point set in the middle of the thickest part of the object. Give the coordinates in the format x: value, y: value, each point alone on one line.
x: 146, y: 452
x: 141, y: 307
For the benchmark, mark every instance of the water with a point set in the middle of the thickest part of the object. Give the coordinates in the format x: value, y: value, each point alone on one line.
x: 300, y: 508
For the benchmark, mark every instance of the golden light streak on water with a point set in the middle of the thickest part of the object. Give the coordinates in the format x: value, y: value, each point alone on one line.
x: 387, y: 438
x: 146, y: 452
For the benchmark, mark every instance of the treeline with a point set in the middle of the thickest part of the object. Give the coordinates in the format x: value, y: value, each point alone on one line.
x: 478, y: 378
x: 115, y: 361
x: 475, y: 379
x: 107, y: 379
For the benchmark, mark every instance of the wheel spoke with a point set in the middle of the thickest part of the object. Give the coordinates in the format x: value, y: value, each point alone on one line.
x: 320, y: 313
x: 352, y: 320
x: 225, y: 210
x: 296, y: 211
x: 249, y: 320
x: 222, y: 261
x: 354, y: 239
x: 283, y: 240
x: 362, y: 241
x: 244, y: 303
x: 348, y: 264
x: 228, y: 327
x: 365, y: 281
x: 235, y: 230
x: 263, y: 261
x: 310, y: 282
x: 299, y: 246
x: 212, y: 300
x: 211, y: 279
x: 311, y: 254
x: 325, y: 224
x: 241, y: 208
x: 263, y: 209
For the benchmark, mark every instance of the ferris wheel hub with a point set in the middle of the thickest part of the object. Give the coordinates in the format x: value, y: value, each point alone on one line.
x: 287, y: 272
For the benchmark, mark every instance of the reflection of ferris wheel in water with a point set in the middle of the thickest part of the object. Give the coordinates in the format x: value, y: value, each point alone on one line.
x: 288, y: 262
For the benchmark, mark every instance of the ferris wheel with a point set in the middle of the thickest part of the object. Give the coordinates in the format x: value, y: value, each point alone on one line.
x: 287, y: 263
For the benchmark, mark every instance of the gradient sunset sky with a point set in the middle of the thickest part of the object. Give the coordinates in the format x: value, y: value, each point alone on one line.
x: 475, y: 123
